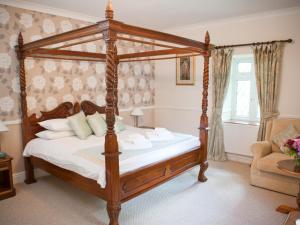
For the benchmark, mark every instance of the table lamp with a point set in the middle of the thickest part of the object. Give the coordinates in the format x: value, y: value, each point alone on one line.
x: 3, y: 128
x: 136, y: 113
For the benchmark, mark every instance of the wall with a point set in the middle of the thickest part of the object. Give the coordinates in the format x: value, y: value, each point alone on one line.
x: 183, y: 103
x: 51, y: 82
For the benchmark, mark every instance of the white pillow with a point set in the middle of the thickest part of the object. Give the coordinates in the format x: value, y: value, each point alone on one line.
x: 56, y: 125
x: 51, y: 135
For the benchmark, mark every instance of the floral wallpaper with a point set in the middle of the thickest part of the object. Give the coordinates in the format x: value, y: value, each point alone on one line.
x: 50, y: 82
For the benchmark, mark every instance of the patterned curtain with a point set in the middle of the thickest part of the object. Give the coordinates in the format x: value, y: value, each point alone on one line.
x: 220, y: 79
x: 267, y: 64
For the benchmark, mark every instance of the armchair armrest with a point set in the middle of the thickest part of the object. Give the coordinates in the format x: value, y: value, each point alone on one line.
x: 261, y: 149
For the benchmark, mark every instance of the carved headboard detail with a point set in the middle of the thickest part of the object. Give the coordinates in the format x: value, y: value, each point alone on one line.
x: 62, y: 111
x: 90, y: 108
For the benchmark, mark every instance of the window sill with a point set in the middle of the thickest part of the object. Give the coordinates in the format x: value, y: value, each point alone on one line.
x: 240, y: 122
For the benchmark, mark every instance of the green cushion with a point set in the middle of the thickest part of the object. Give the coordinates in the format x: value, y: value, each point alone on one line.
x: 79, y: 125
x: 97, y: 123
x: 119, y: 125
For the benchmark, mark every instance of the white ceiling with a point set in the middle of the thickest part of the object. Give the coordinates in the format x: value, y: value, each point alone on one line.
x: 170, y: 13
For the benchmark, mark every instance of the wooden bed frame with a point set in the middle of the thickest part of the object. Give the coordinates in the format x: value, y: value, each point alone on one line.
x: 119, y: 188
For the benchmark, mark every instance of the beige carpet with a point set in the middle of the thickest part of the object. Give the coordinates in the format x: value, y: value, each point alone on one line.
x: 226, y: 199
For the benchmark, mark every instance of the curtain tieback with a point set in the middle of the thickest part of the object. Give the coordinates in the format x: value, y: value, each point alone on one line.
x: 269, y: 115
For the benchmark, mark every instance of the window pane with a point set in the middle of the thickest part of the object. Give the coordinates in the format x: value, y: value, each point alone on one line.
x: 244, y: 67
x: 243, y: 98
x: 258, y: 112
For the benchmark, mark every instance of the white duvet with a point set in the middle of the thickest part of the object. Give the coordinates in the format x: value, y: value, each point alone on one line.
x: 84, y: 156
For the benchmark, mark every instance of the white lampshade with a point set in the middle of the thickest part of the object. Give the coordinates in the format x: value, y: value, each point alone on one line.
x: 3, y: 127
x: 137, y: 112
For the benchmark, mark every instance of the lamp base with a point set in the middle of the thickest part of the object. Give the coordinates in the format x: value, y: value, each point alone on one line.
x: 2, y: 155
x: 136, y: 121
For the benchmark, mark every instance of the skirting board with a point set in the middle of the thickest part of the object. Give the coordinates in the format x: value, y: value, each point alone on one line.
x: 20, y: 177
x: 239, y: 158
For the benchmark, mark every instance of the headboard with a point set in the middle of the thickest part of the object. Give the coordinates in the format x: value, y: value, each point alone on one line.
x: 31, y: 126
x: 66, y: 109
x: 90, y: 108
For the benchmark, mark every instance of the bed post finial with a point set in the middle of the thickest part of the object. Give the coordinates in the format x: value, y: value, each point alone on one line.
x: 20, y: 39
x: 204, y: 118
x: 207, y: 38
x: 19, y: 48
x: 109, y: 12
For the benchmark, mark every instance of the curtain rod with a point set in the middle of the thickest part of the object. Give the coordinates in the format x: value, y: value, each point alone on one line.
x: 253, y: 44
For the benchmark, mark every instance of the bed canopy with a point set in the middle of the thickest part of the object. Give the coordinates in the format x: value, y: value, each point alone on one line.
x: 167, y: 46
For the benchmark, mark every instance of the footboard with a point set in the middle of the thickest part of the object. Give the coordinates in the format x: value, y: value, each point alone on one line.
x: 141, y: 180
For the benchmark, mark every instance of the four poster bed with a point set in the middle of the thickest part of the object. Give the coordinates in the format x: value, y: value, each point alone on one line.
x: 119, y: 187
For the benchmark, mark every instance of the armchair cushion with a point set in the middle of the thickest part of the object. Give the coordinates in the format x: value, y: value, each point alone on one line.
x: 278, y: 125
x: 261, y: 149
x: 280, y: 138
x: 269, y: 164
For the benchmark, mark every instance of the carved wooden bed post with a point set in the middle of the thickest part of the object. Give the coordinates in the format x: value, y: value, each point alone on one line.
x: 111, y: 145
x: 204, y: 118
x: 25, y: 120
x: 116, y: 81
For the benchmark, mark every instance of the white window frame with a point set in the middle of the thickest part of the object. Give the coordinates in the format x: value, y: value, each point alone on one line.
x: 236, y: 76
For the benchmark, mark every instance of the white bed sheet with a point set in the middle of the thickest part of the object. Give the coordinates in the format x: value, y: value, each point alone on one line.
x: 64, y: 153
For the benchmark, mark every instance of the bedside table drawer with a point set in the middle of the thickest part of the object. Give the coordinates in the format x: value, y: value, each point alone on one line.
x: 5, y: 165
x: 6, y: 183
x: 3, y: 168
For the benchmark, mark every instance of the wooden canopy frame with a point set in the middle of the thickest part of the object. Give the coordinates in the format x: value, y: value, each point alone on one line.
x: 119, y: 188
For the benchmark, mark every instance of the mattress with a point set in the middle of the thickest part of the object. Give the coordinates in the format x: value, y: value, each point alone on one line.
x: 84, y: 156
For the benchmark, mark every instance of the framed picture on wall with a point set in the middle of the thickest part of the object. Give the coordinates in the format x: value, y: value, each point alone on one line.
x: 185, y: 70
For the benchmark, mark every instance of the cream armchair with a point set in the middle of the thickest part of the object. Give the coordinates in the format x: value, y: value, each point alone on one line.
x: 264, y: 171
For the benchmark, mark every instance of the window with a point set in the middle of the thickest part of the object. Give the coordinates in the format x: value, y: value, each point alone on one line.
x: 241, y: 102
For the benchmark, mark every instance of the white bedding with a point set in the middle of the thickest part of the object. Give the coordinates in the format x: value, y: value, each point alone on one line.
x: 84, y: 156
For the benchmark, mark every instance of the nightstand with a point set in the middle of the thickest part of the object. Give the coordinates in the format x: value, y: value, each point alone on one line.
x: 7, y: 189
